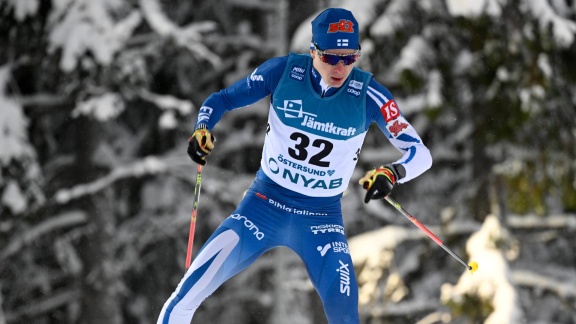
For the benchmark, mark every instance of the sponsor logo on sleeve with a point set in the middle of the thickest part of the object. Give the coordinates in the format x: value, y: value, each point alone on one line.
x: 397, y: 127
x: 204, y: 114
x: 390, y: 111
x: 256, y: 77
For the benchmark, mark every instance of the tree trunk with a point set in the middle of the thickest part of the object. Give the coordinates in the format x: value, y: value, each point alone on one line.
x: 100, y: 280
x: 2, y: 316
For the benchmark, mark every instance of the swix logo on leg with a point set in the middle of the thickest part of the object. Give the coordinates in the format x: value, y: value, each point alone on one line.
x: 344, y: 278
x: 248, y: 223
x: 344, y: 26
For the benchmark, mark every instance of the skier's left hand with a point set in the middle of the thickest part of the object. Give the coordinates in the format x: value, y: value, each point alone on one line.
x: 379, y: 182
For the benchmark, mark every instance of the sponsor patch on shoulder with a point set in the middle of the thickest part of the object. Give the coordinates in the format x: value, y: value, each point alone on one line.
x: 398, y: 126
x: 356, y: 84
x: 297, y: 73
x: 354, y: 88
x: 353, y: 92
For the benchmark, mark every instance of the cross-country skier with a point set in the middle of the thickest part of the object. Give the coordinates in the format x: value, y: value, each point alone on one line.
x: 320, y: 109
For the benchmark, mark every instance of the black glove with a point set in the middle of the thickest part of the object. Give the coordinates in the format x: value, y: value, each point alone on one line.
x: 379, y: 182
x: 200, y: 144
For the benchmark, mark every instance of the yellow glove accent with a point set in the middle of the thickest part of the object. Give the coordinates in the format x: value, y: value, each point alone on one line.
x: 368, y: 179
x: 204, y: 138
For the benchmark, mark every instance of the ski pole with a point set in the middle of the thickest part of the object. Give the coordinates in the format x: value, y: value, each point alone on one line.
x: 193, y: 219
x: 472, y: 266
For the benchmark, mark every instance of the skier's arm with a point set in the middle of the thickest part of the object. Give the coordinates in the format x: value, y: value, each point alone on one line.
x: 383, y: 110
x: 260, y: 83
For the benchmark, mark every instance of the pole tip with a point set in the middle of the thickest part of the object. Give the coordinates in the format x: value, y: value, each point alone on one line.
x: 472, y: 266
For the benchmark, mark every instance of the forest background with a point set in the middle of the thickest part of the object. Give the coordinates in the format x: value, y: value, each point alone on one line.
x: 98, y: 98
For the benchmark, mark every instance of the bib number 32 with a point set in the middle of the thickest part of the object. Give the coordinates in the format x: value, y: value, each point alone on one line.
x: 300, y: 149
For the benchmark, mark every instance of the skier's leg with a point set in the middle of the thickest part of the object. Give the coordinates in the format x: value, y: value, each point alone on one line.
x: 205, y: 274
x: 325, y: 252
x: 236, y: 244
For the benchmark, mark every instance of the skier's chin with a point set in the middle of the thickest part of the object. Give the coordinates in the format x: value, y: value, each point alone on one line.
x: 336, y: 82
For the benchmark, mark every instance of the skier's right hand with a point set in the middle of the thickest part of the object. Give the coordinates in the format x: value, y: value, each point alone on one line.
x: 200, y: 144
x: 379, y: 182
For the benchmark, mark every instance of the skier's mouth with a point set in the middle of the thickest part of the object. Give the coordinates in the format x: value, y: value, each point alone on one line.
x: 337, y: 80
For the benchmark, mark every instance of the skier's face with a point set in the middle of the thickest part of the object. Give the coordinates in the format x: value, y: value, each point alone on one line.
x: 334, y: 75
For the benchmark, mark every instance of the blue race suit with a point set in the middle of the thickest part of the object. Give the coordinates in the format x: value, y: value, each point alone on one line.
x: 314, y: 138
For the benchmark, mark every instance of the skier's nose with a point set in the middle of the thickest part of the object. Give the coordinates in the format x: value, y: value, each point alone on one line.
x: 339, y: 67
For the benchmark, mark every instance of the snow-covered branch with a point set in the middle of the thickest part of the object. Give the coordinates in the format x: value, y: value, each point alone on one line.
x: 78, y: 27
x: 169, y: 104
x: 49, y: 225
x: 528, y: 279
x: 567, y: 221
x: 43, y: 305
x: 189, y: 37
x: 147, y: 166
x: 404, y: 309
x: 563, y: 29
x: 392, y: 18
